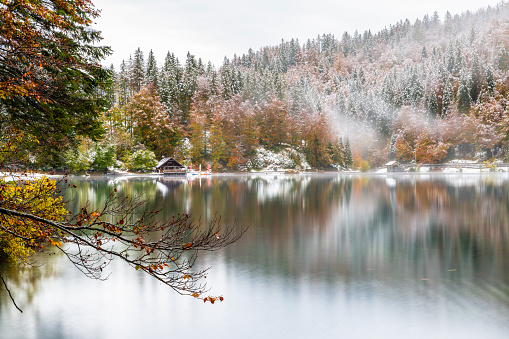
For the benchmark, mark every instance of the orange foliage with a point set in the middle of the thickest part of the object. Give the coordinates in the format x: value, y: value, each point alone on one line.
x: 24, y: 43
x: 357, y: 159
x: 489, y: 119
x: 430, y: 151
x: 404, y: 151
x: 274, y: 122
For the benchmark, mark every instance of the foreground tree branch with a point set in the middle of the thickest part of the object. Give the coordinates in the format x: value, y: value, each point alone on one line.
x: 124, y: 229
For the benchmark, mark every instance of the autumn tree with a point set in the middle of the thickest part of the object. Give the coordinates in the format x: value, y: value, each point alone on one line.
x: 428, y: 150
x: 274, y: 120
x: 404, y: 149
x: 152, y: 124
x: 49, y: 70
x: 200, y: 120
x: 199, y: 135
x: 118, y: 124
x: 317, y: 139
x: 142, y: 160
x: 248, y: 130
x: 489, y: 119
x: 239, y: 131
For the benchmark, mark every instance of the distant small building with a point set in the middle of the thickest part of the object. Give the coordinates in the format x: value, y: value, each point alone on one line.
x: 170, y: 166
x: 392, y: 166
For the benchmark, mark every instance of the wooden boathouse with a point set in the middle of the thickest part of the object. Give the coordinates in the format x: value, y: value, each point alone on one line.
x: 170, y: 166
x: 393, y: 166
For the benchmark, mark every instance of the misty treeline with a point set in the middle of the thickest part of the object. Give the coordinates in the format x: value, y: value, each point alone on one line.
x: 425, y: 91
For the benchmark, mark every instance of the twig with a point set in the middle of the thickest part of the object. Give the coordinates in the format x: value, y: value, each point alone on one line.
x: 10, y: 295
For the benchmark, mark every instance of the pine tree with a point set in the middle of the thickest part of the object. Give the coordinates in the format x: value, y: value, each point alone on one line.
x: 152, y: 72
x: 472, y: 35
x: 459, y: 60
x: 164, y: 87
x: 475, y: 79
x: 51, y: 80
x: 490, y: 79
x: 415, y: 88
x: 137, y: 71
x: 293, y: 52
x: 226, y: 77
x: 436, y: 17
x: 170, y: 80
x: 338, y: 156
x: 188, y: 87
x: 239, y: 82
x: 201, y: 67
x: 392, y: 146
x: 213, y: 79
x: 424, y: 53
x: 450, y: 59
x: 431, y: 102
x: 464, y: 98
x: 124, y: 93
x: 448, y: 96
x: 348, y: 154
x: 503, y: 59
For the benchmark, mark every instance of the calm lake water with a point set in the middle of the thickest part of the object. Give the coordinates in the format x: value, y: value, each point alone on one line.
x: 335, y: 256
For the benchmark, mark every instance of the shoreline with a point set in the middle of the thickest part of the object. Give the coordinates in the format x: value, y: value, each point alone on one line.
x: 449, y: 168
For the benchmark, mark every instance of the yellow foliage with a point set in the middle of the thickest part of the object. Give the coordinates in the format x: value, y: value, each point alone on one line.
x: 14, y: 145
x: 364, y: 166
x: 19, y: 237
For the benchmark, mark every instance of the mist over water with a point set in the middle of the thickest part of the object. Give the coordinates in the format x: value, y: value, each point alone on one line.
x: 353, y: 256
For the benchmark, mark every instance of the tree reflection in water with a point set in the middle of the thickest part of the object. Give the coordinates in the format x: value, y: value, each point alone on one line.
x: 24, y: 280
x: 418, y: 246
x: 437, y: 225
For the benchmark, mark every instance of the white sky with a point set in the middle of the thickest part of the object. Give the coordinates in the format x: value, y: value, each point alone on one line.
x: 212, y: 29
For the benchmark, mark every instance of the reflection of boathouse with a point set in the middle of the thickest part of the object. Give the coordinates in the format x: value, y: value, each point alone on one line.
x: 170, y: 166
x: 170, y: 185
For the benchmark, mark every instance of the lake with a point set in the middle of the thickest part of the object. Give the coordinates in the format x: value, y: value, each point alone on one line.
x: 325, y: 255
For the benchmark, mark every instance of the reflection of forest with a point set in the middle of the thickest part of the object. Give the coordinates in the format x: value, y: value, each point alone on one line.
x: 359, y: 227
x: 402, y: 228
x: 241, y: 198
x: 410, y: 207
x: 334, y: 228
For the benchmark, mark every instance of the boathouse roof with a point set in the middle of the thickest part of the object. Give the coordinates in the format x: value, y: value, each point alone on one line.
x: 169, y: 162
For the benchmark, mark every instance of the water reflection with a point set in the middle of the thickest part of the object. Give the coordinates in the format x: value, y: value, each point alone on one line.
x: 359, y: 256
x: 442, y: 227
x: 24, y: 283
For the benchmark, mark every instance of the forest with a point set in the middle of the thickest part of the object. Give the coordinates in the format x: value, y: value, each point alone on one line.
x: 426, y: 92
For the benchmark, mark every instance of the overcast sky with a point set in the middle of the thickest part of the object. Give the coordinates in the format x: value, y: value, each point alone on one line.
x: 212, y: 29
